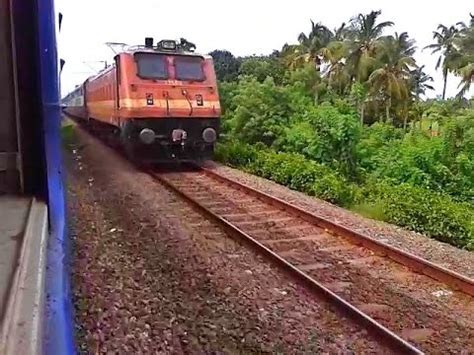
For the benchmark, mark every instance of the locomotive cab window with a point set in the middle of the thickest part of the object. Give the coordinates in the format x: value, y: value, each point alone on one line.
x: 151, y: 66
x: 189, y: 68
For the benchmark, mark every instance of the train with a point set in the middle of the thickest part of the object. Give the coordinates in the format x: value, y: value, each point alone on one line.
x: 159, y: 101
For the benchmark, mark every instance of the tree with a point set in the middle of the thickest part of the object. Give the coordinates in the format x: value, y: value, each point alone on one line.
x: 225, y: 64
x: 464, y: 63
x: 341, y: 32
x: 364, y: 32
x: 311, y: 44
x: 293, y: 56
x: 359, y: 96
x: 420, y: 82
x: 262, y: 67
x: 391, y: 81
x: 406, y: 46
x: 309, y: 82
x: 467, y: 78
x: 445, y: 38
x: 335, y: 55
x: 261, y: 111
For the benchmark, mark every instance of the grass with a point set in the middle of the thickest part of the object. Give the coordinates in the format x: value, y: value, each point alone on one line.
x: 369, y: 210
x: 68, y: 136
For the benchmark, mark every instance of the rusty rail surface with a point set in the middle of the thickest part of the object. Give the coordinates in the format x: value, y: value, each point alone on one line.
x: 412, y: 261
x: 387, y: 337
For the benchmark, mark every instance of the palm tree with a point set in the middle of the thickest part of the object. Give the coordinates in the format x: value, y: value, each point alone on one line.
x: 335, y: 55
x: 405, y: 44
x: 420, y: 82
x: 312, y: 43
x: 445, y: 38
x: 340, y: 33
x: 308, y: 48
x: 364, y: 31
x: 467, y: 78
x: 293, y: 56
x: 464, y: 61
x: 391, y: 81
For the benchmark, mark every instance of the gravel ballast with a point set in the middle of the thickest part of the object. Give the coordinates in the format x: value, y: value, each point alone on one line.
x: 422, y: 310
x: 150, y: 275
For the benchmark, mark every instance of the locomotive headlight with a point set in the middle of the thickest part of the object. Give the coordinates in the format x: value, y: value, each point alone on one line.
x: 147, y: 136
x: 209, y: 135
x: 179, y: 135
x: 167, y: 45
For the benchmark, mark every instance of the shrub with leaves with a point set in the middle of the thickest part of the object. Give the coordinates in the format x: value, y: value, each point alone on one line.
x: 302, y: 121
x: 424, y: 211
x: 235, y: 154
x: 409, y: 206
x: 292, y: 170
x: 325, y: 135
x: 417, y: 159
x: 261, y: 111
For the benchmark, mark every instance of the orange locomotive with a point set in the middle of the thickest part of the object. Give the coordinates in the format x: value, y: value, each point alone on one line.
x: 161, y: 101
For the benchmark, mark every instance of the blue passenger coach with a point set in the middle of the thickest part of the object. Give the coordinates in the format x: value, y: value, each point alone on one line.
x: 35, y: 302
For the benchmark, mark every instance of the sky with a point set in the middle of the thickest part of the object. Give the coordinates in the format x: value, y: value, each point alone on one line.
x: 243, y: 27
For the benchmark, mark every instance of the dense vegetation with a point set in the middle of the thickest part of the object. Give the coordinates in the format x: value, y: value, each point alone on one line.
x: 340, y: 116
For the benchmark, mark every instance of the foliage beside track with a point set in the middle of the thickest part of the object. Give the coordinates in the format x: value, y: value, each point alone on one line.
x: 67, y: 135
x: 340, y: 115
x: 289, y: 169
x: 285, y: 119
x: 412, y: 207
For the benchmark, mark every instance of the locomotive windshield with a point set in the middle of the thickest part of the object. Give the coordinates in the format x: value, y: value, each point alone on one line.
x: 189, y: 68
x: 151, y: 66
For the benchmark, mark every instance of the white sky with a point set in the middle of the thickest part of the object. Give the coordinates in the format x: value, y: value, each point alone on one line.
x: 243, y: 27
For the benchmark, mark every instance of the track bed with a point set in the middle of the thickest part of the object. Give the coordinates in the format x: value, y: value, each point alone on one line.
x: 382, y: 287
x: 154, y: 242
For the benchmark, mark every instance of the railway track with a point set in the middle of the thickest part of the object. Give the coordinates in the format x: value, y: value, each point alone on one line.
x: 331, y: 260
x: 412, y: 261
x: 328, y: 258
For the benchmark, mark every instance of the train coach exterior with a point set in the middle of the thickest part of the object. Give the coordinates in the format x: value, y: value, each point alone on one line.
x: 35, y: 299
x: 73, y: 103
x: 164, y: 104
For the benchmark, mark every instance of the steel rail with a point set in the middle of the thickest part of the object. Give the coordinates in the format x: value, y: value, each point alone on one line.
x: 439, y: 273
x: 389, y: 338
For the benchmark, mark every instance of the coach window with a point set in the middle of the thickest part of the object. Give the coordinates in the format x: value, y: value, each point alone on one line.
x: 189, y: 68
x: 151, y: 66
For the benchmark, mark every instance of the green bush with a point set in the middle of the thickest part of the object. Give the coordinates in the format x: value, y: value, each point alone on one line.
x: 236, y: 155
x: 260, y: 113
x: 434, y: 163
x: 289, y: 169
x: 424, y: 211
x: 415, y: 208
x: 373, y: 143
x: 326, y: 135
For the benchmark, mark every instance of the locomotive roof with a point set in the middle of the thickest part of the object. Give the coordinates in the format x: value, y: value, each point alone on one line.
x: 140, y: 49
x: 143, y: 49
